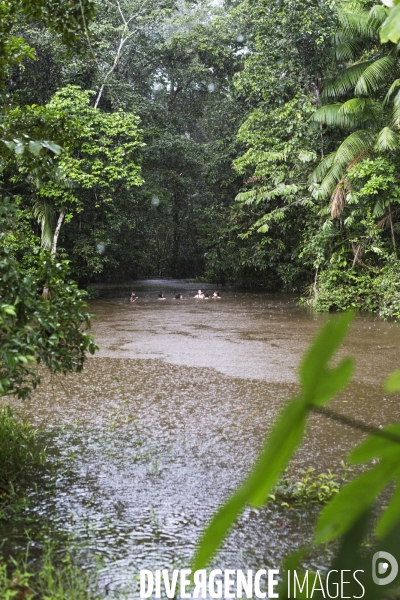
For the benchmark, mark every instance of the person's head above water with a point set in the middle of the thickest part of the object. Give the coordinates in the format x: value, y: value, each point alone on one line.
x: 216, y: 295
x: 178, y: 297
x: 161, y: 296
x: 133, y: 294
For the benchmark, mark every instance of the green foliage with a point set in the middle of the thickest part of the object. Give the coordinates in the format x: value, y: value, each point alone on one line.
x: 18, y: 451
x: 35, y: 330
x: 390, y: 30
x: 343, y: 288
x: 367, y: 114
x: 58, y: 577
x: 99, y: 148
x: 99, y: 160
x: 348, y: 513
x: 306, y: 486
x: 318, y: 384
x: 359, y: 495
x: 287, y: 50
x: 67, y: 18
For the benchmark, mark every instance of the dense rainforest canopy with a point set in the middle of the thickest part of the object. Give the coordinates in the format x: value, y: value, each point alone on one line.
x: 252, y: 142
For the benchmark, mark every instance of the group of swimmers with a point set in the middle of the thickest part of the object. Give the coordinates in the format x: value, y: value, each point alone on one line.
x: 200, y: 295
x: 203, y: 296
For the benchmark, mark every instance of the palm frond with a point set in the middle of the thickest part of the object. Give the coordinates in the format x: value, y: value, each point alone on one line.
x: 330, y: 115
x: 345, y: 81
x: 59, y: 177
x: 353, y: 149
x: 361, y: 110
x: 375, y: 75
x: 320, y: 171
x: 43, y: 213
x: 377, y: 15
x: 395, y: 116
x: 387, y: 140
x: 361, y: 23
x: 391, y: 90
x: 379, y: 210
x: 350, y: 114
x: 355, y: 146
x: 347, y: 49
x: 330, y: 181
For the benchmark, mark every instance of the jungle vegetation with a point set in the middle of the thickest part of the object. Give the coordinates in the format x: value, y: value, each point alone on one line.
x: 249, y: 142
x: 253, y: 143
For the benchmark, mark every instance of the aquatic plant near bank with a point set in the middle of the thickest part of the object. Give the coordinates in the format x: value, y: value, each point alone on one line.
x: 307, y: 486
x: 19, y: 453
x: 58, y: 579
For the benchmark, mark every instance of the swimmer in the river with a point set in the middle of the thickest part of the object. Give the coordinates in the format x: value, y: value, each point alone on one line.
x: 161, y: 296
x: 199, y: 295
x: 178, y: 297
x: 206, y: 296
x: 216, y: 296
x: 133, y: 297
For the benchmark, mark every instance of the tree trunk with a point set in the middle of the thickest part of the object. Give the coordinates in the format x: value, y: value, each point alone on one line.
x: 392, y: 230
x: 176, y: 236
x: 46, y: 289
x: 57, y: 232
x: 316, y: 283
x: 111, y: 70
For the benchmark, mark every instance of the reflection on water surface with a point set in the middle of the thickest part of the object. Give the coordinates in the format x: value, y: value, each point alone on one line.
x: 167, y: 418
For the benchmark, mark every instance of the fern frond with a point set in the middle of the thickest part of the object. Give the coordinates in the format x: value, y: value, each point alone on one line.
x: 375, y: 75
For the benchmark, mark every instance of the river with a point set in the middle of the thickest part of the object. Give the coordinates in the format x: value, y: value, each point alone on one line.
x: 166, y: 419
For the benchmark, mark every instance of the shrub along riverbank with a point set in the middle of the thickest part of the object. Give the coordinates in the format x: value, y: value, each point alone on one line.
x: 55, y: 576
x: 19, y: 454
x: 370, y: 290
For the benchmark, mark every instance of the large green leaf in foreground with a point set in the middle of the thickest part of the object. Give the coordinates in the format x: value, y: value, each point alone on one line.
x: 319, y: 383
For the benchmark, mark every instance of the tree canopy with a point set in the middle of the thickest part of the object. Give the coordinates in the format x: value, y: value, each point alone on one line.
x: 246, y: 142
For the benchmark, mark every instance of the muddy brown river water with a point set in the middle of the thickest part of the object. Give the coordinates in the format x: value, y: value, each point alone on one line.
x: 167, y: 419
